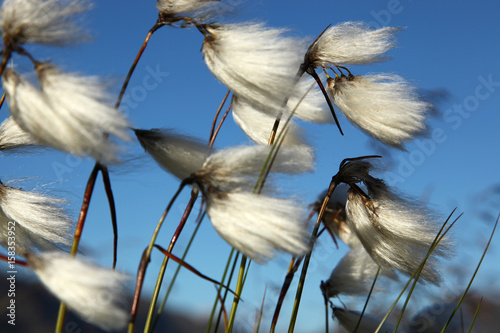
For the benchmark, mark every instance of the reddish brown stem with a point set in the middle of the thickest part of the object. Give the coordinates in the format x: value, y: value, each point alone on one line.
x: 85, y: 208
x: 217, y: 116
x: 17, y: 262
x: 284, y: 289
x: 136, y: 61
x: 219, y: 126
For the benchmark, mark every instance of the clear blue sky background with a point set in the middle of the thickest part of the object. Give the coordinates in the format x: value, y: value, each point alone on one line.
x: 452, y: 46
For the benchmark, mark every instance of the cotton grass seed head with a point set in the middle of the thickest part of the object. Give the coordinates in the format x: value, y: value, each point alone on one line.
x: 49, y: 22
x: 396, y: 232
x: 382, y: 105
x: 350, y: 43
x: 41, y: 222
x: 258, y: 225
x: 238, y: 167
x: 71, y: 113
x: 257, y: 125
x: 349, y: 320
x: 178, y: 154
x: 353, y: 275
x: 98, y: 295
x: 255, y: 62
x: 189, y: 8
x: 13, y: 137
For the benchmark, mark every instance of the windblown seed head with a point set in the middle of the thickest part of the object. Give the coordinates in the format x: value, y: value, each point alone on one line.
x: 238, y: 167
x: 178, y: 154
x: 256, y: 63
x: 353, y: 275
x: 257, y: 125
x: 350, y: 43
x: 349, y: 320
x: 396, y: 232
x: 258, y: 225
x: 71, y: 112
x: 190, y: 8
x: 40, y: 221
x: 13, y: 137
x: 382, y: 105
x: 50, y: 22
x: 98, y: 295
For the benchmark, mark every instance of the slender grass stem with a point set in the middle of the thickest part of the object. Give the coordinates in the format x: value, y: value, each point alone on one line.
x: 174, y: 278
x: 161, y: 274
x: 367, y: 300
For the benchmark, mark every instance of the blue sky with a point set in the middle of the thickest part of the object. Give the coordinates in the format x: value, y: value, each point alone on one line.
x: 450, y: 46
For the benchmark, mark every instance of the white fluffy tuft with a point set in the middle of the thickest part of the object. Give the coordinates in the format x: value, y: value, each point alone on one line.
x: 351, y: 43
x: 178, y: 154
x: 349, y: 320
x: 175, y: 7
x: 50, y: 22
x: 71, y: 113
x: 14, y: 137
x: 382, y: 105
x: 96, y: 294
x: 395, y: 232
x: 258, y: 225
x: 258, y: 125
x: 40, y: 221
x: 353, y: 275
x: 237, y: 167
x: 256, y: 63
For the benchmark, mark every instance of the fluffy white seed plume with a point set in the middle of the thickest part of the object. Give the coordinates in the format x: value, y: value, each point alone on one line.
x: 50, y: 22
x: 176, y: 7
x: 96, y: 294
x: 382, y: 105
x: 353, y: 275
x: 237, y: 167
x: 72, y: 113
x: 14, y: 137
x: 258, y: 225
x: 350, y: 43
x: 257, y: 125
x: 178, y: 154
x: 349, y: 319
x: 395, y: 231
x: 40, y: 221
x: 256, y: 63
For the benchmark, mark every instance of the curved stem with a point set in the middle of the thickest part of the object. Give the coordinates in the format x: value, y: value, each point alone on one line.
x: 78, y: 233
x: 112, y: 208
x: 136, y: 61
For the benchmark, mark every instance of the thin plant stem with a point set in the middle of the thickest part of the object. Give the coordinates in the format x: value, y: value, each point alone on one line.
x: 212, y: 136
x: 214, y: 307
x: 78, y: 233
x: 473, y: 277
x: 239, y: 288
x: 367, y: 300
x: 305, y: 266
x: 2, y: 100
x: 146, y: 257
x: 294, y: 267
x: 163, y: 268
x: 261, y: 311
x: 151, y: 31
x: 231, y: 274
x: 219, y: 126
x: 174, y: 278
x: 475, y: 315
